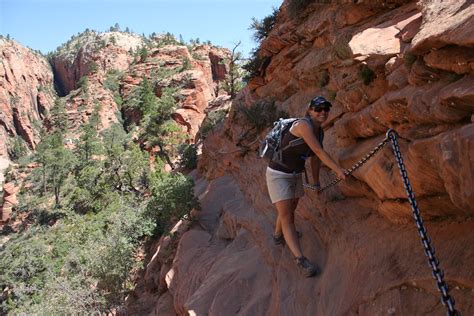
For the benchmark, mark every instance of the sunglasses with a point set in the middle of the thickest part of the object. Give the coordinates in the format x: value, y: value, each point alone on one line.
x: 319, y: 109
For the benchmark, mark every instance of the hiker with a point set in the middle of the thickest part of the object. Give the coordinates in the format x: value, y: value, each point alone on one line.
x: 284, y: 180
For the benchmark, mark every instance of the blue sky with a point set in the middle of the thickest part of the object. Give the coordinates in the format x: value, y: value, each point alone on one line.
x: 45, y: 24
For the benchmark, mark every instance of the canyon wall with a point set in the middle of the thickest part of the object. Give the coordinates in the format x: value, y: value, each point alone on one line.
x: 403, y: 65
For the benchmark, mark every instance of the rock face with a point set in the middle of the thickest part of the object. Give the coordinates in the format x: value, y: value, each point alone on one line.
x: 93, y: 71
x: 26, y: 93
x: 406, y: 67
x: 93, y: 55
x: 108, y: 50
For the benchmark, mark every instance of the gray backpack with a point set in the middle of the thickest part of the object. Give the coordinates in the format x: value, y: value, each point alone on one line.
x: 270, y: 147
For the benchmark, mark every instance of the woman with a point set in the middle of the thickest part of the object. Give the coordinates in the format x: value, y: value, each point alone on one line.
x: 285, y: 184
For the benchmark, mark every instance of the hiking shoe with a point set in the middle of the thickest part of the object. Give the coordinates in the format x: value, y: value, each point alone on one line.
x: 306, y: 267
x: 279, y: 239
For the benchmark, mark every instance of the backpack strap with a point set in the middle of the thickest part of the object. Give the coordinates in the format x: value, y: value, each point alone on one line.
x: 299, y: 140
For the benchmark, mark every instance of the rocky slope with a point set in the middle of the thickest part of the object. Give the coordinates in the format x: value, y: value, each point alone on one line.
x: 406, y: 66
x: 26, y: 94
x: 95, y: 71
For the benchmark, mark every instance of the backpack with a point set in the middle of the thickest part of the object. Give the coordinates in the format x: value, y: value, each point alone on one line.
x: 270, y: 147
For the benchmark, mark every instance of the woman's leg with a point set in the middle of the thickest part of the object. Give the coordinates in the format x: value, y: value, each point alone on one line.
x: 278, y: 228
x: 286, y: 218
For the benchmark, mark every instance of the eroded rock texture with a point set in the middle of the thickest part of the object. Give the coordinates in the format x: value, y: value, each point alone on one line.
x: 406, y: 66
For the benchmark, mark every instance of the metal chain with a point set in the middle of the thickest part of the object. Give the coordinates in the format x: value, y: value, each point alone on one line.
x: 438, y: 274
x: 350, y: 170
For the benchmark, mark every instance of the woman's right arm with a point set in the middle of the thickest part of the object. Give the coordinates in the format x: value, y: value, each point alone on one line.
x: 304, y: 130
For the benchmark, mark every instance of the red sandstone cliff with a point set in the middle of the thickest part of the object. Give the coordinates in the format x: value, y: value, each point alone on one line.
x: 420, y: 57
x: 27, y: 92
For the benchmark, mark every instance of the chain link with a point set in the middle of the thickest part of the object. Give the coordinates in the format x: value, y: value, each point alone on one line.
x: 438, y: 274
x: 349, y: 171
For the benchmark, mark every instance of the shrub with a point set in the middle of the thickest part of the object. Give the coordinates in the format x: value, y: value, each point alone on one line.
x: 93, y: 67
x: 188, y: 156
x: 262, y: 28
x: 261, y: 114
x: 253, y: 65
x: 186, y: 64
x: 295, y: 7
x: 83, y: 82
x: 82, y: 264
x: 211, y: 121
x: 17, y: 149
x: 197, y: 56
x: 342, y: 48
x: 172, y: 198
x: 452, y: 77
x: 143, y: 52
x: 324, y: 78
x: 112, y: 80
x: 367, y: 75
x: 409, y: 59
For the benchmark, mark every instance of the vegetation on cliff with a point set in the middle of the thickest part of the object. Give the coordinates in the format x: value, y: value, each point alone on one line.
x: 88, y: 210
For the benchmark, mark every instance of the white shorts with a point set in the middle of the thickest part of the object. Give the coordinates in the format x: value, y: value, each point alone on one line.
x: 284, y: 186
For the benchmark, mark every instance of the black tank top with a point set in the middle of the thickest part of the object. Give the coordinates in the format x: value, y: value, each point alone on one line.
x: 294, y: 157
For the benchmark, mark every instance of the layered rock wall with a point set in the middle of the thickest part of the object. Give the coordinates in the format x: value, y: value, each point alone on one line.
x: 26, y: 94
x: 406, y: 66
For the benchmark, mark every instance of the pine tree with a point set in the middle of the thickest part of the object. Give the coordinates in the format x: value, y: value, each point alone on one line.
x: 143, y: 53
x: 233, y: 82
x: 59, y: 118
x: 56, y: 162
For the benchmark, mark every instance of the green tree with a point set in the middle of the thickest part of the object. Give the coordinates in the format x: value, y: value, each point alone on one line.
x: 172, y: 198
x: 143, y: 52
x: 58, y: 115
x: 186, y: 64
x: 143, y: 98
x: 83, y: 83
x: 88, y: 144
x: 93, y: 67
x: 56, y: 163
x: 262, y: 28
x: 18, y: 148
x: 233, y: 82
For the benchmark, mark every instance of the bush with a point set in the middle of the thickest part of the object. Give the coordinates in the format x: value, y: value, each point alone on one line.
x: 211, y: 121
x: 172, y: 198
x: 17, y: 149
x: 324, y: 78
x: 82, y: 264
x: 112, y: 80
x: 143, y: 53
x: 409, y: 60
x: 83, y: 82
x: 188, y: 156
x: 262, y: 28
x: 295, y: 7
x: 253, y: 65
x: 93, y: 67
x: 186, y: 64
x: 367, y: 75
x: 342, y: 48
x: 261, y: 114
